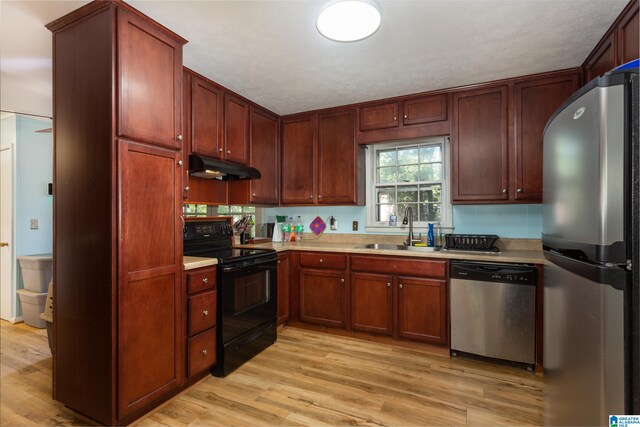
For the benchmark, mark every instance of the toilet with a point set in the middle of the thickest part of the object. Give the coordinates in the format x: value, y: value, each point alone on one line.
x: 36, y: 274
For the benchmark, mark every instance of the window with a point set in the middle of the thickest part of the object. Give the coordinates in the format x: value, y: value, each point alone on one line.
x: 237, y: 211
x: 408, y: 174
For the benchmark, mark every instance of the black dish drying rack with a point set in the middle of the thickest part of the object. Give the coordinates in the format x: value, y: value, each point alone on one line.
x: 471, y: 242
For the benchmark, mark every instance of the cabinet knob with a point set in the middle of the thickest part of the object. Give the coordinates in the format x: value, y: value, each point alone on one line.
x: 519, y: 190
x: 504, y: 190
x: 319, y: 196
x: 388, y: 284
x: 400, y: 285
x: 179, y: 137
x: 228, y: 151
x: 179, y: 162
x: 219, y: 150
x: 253, y: 194
x: 311, y: 196
x: 406, y: 117
x: 205, y: 280
x: 395, y: 118
x: 186, y: 188
x: 279, y: 261
x: 205, y: 312
x: 205, y: 352
x: 321, y: 260
x: 342, y: 280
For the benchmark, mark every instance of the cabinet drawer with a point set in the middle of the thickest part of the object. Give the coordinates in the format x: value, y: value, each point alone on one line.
x: 202, y: 312
x: 379, y: 116
x: 391, y: 265
x: 323, y: 260
x: 199, y: 280
x: 202, y: 351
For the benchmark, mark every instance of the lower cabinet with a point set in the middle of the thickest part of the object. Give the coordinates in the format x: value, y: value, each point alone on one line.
x: 372, y: 303
x: 322, y: 297
x: 422, y: 309
x: 201, y: 319
x: 283, y: 288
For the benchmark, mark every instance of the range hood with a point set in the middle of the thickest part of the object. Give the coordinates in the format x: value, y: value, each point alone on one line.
x: 206, y: 167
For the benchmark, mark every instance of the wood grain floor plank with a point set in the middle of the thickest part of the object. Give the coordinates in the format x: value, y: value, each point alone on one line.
x: 307, y: 378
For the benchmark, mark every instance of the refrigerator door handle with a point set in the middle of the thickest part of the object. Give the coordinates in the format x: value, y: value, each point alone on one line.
x: 612, y: 276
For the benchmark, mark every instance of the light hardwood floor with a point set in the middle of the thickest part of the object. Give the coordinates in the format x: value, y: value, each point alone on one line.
x: 306, y: 378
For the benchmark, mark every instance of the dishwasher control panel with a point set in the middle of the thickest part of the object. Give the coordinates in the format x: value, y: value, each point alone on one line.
x: 493, y: 272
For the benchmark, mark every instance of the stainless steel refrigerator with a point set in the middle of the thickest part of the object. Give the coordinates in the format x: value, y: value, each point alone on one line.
x: 590, y: 240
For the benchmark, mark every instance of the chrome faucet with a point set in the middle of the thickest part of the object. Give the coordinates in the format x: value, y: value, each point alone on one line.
x: 408, y: 219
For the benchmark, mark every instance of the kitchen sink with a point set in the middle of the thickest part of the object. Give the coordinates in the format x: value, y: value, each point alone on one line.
x: 384, y: 246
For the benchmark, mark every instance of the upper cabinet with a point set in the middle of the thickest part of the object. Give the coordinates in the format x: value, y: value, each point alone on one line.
x: 321, y: 163
x: 535, y: 101
x: 409, y: 117
x: 149, y: 82
x: 236, y: 129
x: 619, y: 45
x: 479, y: 153
x: 206, y: 117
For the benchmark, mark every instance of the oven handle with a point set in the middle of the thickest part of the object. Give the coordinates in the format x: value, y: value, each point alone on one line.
x: 261, y: 265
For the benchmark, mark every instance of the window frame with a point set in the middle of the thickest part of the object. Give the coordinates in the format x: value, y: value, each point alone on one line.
x: 371, y: 209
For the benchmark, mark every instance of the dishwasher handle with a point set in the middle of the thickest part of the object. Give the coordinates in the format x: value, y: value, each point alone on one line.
x: 491, y: 272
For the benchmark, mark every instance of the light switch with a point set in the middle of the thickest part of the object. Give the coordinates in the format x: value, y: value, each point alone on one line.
x: 34, y: 224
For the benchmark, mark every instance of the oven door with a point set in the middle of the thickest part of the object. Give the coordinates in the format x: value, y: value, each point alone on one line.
x: 248, y: 296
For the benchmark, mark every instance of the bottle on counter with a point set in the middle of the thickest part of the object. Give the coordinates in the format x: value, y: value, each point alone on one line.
x: 286, y: 231
x: 430, y: 237
x: 252, y: 228
x: 299, y: 228
x: 292, y: 230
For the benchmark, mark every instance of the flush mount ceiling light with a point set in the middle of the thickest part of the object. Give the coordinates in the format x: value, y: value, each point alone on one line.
x: 349, y: 20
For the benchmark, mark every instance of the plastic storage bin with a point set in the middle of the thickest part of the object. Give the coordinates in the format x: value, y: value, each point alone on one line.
x: 47, y: 316
x: 32, y: 305
x: 36, y: 271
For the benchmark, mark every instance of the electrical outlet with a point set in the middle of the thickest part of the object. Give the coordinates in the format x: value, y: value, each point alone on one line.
x: 355, y: 226
x: 34, y: 224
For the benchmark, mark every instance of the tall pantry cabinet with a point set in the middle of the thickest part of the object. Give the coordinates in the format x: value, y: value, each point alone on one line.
x: 118, y: 326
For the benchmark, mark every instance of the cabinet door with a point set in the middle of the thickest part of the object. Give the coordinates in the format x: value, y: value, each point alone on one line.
x: 206, y: 118
x: 479, y: 159
x: 264, y: 157
x: 283, y: 288
x: 322, y: 297
x: 628, y: 40
x: 372, y: 303
x: 422, y: 309
x: 603, y: 59
x: 150, y: 336
x: 298, y: 160
x: 425, y: 110
x: 379, y: 116
x: 149, y: 83
x: 337, y: 158
x: 207, y: 191
x: 535, y: 101
x: 236, y: 129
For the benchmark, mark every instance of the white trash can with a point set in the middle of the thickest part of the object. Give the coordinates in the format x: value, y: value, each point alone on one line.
x: 32, y: 305
x: 36, y: 271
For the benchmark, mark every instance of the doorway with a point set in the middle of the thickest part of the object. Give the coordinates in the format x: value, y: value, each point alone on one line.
x: 7, y: 294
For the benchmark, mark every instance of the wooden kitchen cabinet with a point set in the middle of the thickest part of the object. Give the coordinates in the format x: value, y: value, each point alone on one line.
x: 372, y: 303
x: 298, y: 165
x: 479, y: 153
x: 322, y: 297
x: 379, y: 116
x: 149, y: 81
x: 206, y: 118
x: 117, y: 73
x: 628, y: 39
x: 314, y: 147
x: 603, y: 59
x: 422, y: 309
x: 201, y: 296
x: 283, y: 288
x: 412, y: 307
x: 236, y: 129
x: 264, y: 135
x: 535, y: 101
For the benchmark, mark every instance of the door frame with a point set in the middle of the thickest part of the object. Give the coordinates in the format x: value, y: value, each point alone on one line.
x: 8, y: 288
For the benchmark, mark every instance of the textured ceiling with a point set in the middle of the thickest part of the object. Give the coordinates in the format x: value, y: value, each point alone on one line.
x: 270, y: 52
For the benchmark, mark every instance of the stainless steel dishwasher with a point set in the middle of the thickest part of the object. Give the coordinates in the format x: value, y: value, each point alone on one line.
x: 493, y: 310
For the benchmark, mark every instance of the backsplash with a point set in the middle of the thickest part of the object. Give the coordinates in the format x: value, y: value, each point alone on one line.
x: 514, y: 221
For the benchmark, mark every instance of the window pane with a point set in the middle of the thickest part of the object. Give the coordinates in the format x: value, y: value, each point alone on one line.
x: 190, y: 208
x: 236, y: 209
x: 408, y: 173
x: 407, y: 155
x: 250, y: 209
x: 430, y: 212
x: 223, y: 210
x: 386, y: 175
x: 431, y: 194
x: 384, y: 211
x: 408, y: 194
x: 386, y: 195
x: 403, y: 206
x: 430, y: 153
x: 431, y: 172
x: 387, y: 157
x: 201, y: 209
